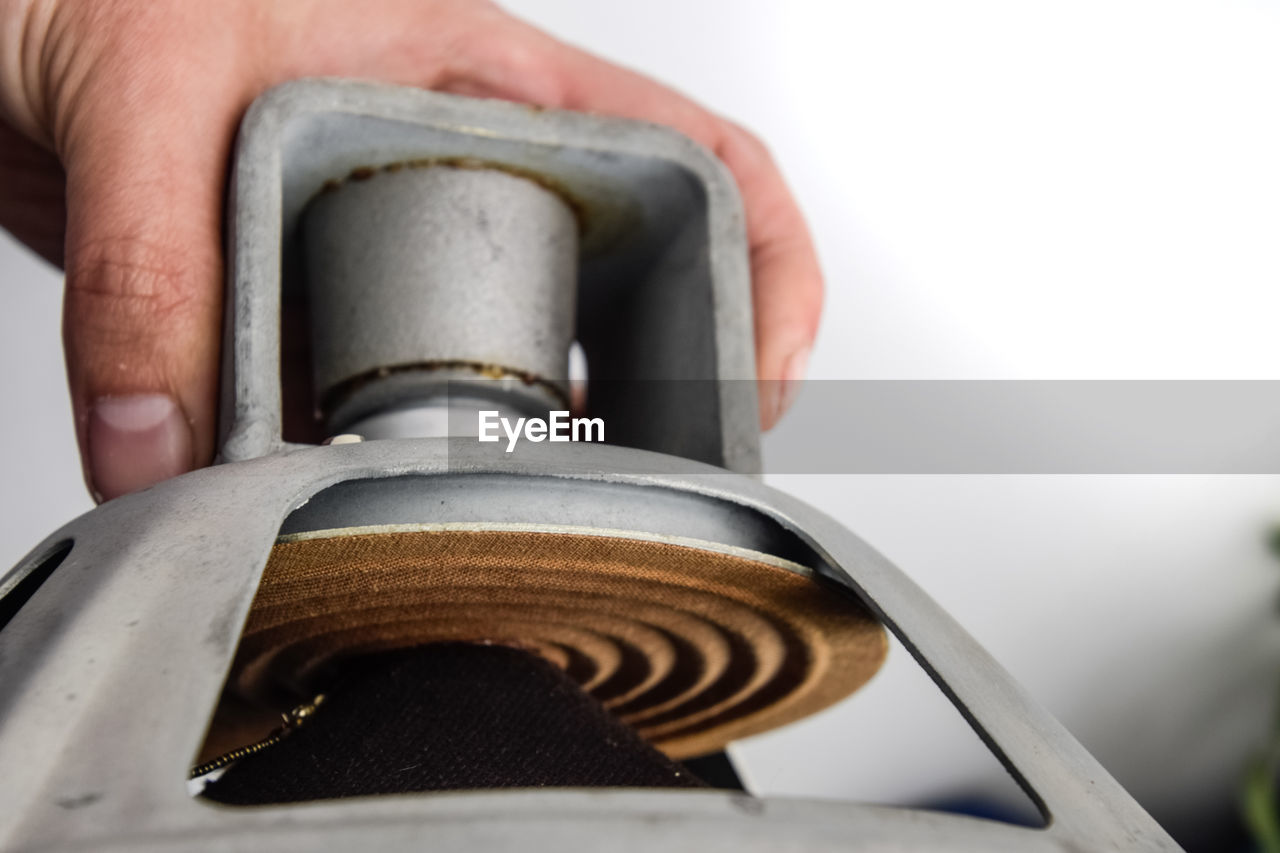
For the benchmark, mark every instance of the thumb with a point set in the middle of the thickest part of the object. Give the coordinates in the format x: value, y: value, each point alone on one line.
x: 142, y: 309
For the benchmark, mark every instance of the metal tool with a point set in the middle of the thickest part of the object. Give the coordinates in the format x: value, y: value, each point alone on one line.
x: 441, y: 246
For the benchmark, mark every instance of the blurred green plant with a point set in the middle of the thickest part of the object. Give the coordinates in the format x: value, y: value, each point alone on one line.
x: 1258, y: 794
x: 1259, y: 797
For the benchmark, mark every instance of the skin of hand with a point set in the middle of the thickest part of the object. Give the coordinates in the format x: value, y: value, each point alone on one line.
x: 116, y: 124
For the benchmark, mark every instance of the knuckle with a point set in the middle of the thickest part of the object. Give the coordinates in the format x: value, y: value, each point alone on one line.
x: 123, y: 286
x: 137, y: 281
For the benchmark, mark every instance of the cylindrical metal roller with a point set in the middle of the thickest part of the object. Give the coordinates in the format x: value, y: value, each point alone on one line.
x: 423, y: 276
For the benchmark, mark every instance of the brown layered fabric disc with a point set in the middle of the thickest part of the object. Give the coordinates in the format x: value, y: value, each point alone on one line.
x: 693, y: 647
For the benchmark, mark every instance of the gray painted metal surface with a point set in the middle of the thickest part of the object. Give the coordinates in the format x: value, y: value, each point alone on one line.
x: 111, y: 670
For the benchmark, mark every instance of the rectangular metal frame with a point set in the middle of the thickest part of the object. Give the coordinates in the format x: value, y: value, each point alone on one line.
x: 664, y: 285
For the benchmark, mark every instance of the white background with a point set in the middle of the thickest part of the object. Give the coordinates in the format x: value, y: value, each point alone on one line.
x: 999, y: 190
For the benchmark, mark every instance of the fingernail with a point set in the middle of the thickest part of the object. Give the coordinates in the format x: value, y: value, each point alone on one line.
x: 136, y: 441
x: 793, y: 373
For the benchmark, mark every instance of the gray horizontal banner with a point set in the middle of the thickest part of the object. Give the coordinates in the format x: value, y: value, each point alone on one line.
x: 1029, y: 427
x: 894, y: 427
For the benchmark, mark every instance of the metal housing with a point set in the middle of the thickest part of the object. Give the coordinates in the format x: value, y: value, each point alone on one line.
x: 111, y: 670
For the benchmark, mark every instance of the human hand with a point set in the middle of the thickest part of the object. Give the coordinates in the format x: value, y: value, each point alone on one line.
x: 116, y: 125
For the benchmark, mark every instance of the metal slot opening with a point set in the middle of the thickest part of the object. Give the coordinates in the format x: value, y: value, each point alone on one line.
x: 27, y: 583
